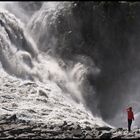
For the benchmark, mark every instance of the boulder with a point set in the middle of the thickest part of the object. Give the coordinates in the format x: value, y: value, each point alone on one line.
x: 77, y: 132
x: 104, y: 128
x: 12, y: 118
x: 105, y: 135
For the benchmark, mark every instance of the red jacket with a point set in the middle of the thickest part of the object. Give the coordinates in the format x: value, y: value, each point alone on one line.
x: 130, y: 114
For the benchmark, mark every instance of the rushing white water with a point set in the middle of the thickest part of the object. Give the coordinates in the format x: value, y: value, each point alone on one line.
x: 56, y: 81
x: 23, y: 57
x: 20, y: 56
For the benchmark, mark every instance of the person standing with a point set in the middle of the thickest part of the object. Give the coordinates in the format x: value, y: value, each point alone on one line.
x: 130, y: 117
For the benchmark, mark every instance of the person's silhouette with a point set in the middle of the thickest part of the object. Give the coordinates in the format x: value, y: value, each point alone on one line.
x: 130, y: 117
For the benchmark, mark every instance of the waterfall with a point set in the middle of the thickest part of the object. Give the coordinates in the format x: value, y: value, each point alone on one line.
x: 82, y: 48
x: 25, y: 49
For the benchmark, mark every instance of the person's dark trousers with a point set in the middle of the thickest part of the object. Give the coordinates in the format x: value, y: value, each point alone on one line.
x: 129, y: 125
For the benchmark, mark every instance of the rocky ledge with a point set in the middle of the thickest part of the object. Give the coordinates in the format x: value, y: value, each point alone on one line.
x: 12, y: 127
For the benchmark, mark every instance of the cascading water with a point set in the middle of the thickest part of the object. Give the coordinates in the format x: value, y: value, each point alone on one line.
x: 16, y: 50
x: 27, y: 62
x: 54, y: 41
x: 47, y: 29
x: 37, y: 59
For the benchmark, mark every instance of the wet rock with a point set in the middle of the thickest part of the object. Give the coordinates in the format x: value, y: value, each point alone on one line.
x: 105, y: 135
x: 3, y: 122
x: 21, y: 121
x: 7, y: 97
x: 29, y: 135
x: 42, y: 100
x: 31, y: 111
x: 3, y: 135
x: 77, y: 132
x: 97, y: 133
x: 54, y: 132
x: 14, y: 105
x: 116, y: 137
x: 21, y: 129
x: 10, y: 137
x: 65, y: 123
x: 1, y: 129
x: 51, y: 127
x: 104, y: 128
x: 29, y: 83
x: 89, y: 137
x: 44, y: 126
x: 88, y: 128
x: 7, y: 85
x: 43, y: 93
x: 44, y: 131
x: 43, y: 135
x: 119, y: 129
x: 12, y: 118
x: 72, y: 126
x: 57, y: 128
x: 131, y: 135
x: 48, y: 89
x: 6, y: 108
x: 36, y: 129
x: 22, y: 136
x: 32, y: 130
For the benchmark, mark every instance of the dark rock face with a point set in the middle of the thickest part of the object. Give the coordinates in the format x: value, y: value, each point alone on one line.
x: 109, y: 35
